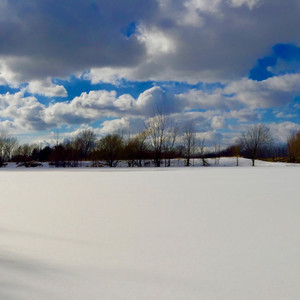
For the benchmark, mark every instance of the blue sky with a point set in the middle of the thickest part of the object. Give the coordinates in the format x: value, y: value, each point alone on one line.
x: 226, y: 64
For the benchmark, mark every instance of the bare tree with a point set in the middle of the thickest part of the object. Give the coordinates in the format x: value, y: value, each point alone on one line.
x: 217, y: 154
x: 189, y: 138
x: 135, y: 149
x: 84, y: 142
x: 2, y: 147
x: 110, y: 148
x: 8, y: 145
x: 23, y: 153
x: 202, y: 152
x: 56, y: 137
x: 169, y: 143
x: 254, y: 140
x: 156, y: 128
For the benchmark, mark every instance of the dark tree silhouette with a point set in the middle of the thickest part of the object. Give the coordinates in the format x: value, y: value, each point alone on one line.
x: 84, y: 142
x: 110, y: 149
x: 254, y: 140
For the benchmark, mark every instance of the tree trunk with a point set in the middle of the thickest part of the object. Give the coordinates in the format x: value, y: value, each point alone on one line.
x: 188, y: 162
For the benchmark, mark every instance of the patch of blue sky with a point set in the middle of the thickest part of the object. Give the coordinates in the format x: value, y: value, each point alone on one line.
x: 269, y: 115
x: 130, y: 29
x: 76, y: 86
x: 276, y: 115
x: 297, y: 100
x: 43, y: 99
x: 99, y: 123
x: 290, y: 112
x: 289, y: 53
x: 175, y: 87
x: 7, y: 89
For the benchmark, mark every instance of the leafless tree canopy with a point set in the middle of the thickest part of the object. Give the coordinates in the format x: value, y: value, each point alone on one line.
x: 156, y: 129
x: 8, y: 144
x: 110, y: 148
x: 189, y: 138
x: 253, y: 141
x: 85, y: 142
x: 135, y: 149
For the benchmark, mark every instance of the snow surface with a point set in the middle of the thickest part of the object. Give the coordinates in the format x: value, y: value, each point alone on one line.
x: 170, y: 233
x: 223, y: 162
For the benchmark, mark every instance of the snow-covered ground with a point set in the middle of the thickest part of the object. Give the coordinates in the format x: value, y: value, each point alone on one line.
x: 170, y: 233
x: 222, y: 162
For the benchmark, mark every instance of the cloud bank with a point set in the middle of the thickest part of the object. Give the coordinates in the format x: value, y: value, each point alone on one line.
x: 250, y: 50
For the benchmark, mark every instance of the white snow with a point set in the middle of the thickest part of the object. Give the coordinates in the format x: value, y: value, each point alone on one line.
x: 170, y: 233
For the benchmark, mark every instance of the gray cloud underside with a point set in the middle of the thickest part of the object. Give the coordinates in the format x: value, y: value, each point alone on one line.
x: 179, y: 40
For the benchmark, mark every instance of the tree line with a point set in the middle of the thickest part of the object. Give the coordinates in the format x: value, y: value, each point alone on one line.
x: 157, y: 145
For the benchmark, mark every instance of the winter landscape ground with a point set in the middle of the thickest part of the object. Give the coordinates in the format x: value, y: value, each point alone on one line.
x: 217, y: 233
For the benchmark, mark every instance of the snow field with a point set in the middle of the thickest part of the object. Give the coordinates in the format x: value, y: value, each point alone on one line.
x: 179, y: 233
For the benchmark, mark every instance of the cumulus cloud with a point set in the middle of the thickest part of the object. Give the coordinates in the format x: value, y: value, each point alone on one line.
x: 245, y: 115
x: 24, y: 112
x: 209, y: 138
x: 7, y: 76
x: 237, y: 100
x: 107, y: 74
x: 46, y: 88
x: 212, y: 110
x: 86, y: 108
x: 203, y: 100
x: 274, y: 91
x: 156, y: 41
x: 218, y: 122
x: 282, y: 131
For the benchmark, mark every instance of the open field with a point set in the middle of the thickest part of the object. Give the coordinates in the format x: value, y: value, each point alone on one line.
x: 178, y: 233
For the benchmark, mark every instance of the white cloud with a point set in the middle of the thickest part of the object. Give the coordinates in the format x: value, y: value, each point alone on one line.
x: 46, y: 88
x: 24, y: 112
x: 240, y: 101
x: 7, y: 126
x: 109, y: 75
x: 218, y: 122
x: 250, y: 3
x: 156, y: 100
x: 284, y: 115
x: 197, y: 99
x: 7, y: 76
x: 282, y: 131
x: 210, y: 138
x: 115, y: 126
x: 156, y: 41
x: 244, y: 115
x: 85, y: 108
x: 125, y: 102
x: 275, y: 91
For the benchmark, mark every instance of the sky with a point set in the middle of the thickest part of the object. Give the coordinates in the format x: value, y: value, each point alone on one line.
x: 67, y: 65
